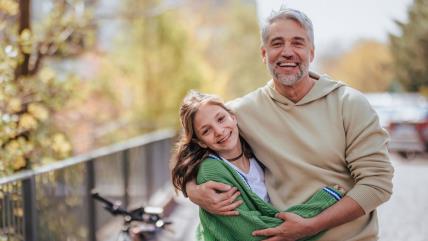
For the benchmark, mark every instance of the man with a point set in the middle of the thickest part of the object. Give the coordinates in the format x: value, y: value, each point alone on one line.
x: 309, y: 131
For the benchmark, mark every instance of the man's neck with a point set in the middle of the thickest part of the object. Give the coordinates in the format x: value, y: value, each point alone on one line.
x: 297, y: 91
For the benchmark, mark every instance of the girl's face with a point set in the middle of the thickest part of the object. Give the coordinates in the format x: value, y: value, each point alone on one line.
x: 217, y: 129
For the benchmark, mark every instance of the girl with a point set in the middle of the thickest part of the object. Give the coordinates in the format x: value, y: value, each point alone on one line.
x: 211, y: 149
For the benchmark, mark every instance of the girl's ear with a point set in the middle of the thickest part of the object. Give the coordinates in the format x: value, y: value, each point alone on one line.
x: 234, y: 118
x: 201, y: 144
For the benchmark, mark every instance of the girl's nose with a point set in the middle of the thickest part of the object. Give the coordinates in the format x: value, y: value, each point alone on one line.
x: 218, y: 130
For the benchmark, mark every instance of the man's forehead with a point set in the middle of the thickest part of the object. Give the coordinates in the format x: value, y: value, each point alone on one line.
x: 289, y: 23
x: 288, y: 28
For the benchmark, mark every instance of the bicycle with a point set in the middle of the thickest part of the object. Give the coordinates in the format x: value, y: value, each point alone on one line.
x: 149, y: 219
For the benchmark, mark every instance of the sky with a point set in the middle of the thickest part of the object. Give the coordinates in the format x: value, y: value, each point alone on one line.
x: 339, y: 23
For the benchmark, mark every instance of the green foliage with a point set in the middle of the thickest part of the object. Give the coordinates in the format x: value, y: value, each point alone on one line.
x: 410, y: 48
x: 31, y: 93
x: 154, y: 60
x: 172, y: 65
x: 233, y: 48
x: 161, y: 51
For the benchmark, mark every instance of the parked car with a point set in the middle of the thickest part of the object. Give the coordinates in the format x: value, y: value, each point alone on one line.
x: 405, y: 117
x: 408, y: 138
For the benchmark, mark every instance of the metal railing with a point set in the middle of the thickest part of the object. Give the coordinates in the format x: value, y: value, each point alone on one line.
x: 53, y: 202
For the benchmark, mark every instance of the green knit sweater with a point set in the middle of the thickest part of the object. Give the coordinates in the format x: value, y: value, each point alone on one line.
x: 254, y: 213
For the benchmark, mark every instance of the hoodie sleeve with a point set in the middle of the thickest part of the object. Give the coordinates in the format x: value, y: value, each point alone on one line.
x: 366, y: 152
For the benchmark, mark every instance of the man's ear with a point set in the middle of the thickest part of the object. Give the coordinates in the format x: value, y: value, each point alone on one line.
x: 312, y: 54
x: 263, y: 52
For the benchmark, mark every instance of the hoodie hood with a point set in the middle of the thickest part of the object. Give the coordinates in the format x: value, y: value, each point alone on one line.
x: 322, y: 87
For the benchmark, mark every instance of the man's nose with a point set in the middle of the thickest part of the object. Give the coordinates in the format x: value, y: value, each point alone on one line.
x: 287, y: 51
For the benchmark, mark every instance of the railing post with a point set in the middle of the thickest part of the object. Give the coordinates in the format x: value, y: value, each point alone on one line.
x: 126, y: 177
x: 29, y: 198
x: 90, y: 184
x: 149, y: 169
x: 27, y: 186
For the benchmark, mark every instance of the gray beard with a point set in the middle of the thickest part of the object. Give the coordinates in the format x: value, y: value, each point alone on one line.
x: 288, y: 80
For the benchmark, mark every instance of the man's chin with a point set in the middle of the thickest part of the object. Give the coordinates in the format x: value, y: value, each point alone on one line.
x: 289, y: 81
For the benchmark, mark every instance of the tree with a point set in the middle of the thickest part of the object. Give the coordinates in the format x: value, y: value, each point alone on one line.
x: 153, y: 60
x: 229, y: 33
x: 366, y: 66
x: 410, y: 48
x: 29, y: 91
x: 161, y: 49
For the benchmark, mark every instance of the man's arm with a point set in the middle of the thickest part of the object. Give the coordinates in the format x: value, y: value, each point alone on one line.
x: 296, y: 227
x: 214, y: 197
x: 366, y: 152
x: 342, y: 212
x: 369, y: 165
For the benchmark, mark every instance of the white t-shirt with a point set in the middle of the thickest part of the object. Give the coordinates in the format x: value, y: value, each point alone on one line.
x: 255, y: 178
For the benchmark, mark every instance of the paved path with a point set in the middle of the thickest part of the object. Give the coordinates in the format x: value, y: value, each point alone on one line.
x: 185, y: 219
x: 403, y: 218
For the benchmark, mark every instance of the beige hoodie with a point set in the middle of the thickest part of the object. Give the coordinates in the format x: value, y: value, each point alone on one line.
x: 331, y: 136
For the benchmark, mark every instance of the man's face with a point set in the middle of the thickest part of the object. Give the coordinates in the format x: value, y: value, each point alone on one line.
x: 287, y: 52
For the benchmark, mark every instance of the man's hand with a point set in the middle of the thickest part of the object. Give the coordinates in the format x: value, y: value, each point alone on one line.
x: 293, y: 228
x: 296, y: 227
x: 214, y: 197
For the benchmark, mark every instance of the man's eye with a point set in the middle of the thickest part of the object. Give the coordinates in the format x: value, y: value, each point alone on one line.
x: 298, y: 44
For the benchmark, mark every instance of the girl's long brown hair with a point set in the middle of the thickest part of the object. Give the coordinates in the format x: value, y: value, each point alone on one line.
x: 189, y: 154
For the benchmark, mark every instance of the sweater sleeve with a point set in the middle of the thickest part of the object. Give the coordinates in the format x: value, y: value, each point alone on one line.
x: 366, y: 152
x: 254, y: 213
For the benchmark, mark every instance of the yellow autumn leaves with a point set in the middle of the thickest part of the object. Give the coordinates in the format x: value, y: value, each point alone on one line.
x: 16, y: 153
x: 28, y: 99
x: 29, y: 120
x: 367, y: 66
x: 9, y: 7
x: 27, y: 135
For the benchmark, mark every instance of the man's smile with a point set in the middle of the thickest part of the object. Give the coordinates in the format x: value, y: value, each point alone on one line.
x: 283, y: 64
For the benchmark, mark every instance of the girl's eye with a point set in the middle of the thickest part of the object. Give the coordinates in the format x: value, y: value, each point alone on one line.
x: 205, y: 132
x: 221, y: 119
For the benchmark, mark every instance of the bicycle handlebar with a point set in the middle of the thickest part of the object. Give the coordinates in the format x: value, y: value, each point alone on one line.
x: 143, y: 214
x: 114, y: 209
x: 149, y: 216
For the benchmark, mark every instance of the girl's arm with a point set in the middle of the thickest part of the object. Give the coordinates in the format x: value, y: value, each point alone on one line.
x: 254, y: 213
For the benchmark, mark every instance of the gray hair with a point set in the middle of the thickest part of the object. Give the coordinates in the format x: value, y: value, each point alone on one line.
x: 284, y: 14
